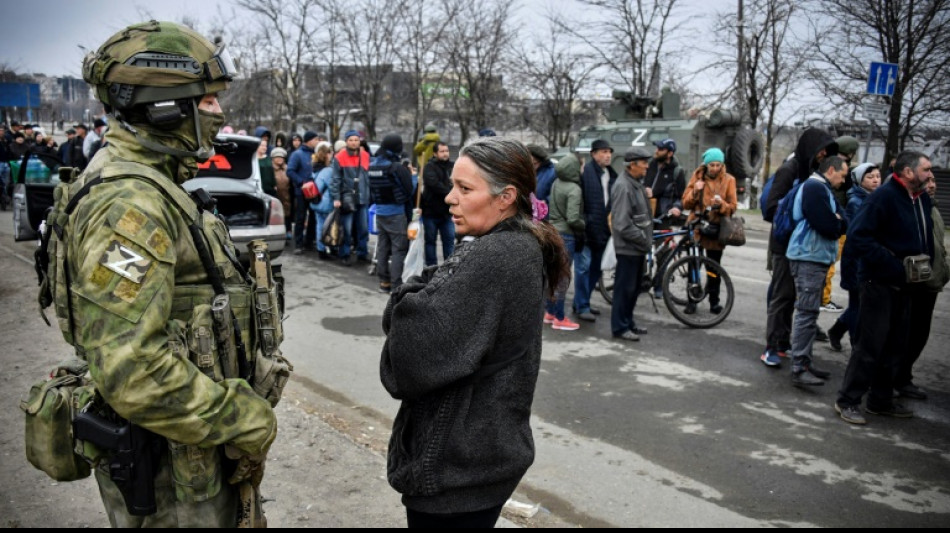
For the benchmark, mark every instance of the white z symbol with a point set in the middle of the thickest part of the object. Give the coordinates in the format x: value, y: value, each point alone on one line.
x: 117, y: 265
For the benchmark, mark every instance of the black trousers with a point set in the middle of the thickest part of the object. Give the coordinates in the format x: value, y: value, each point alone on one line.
x: 626, y: 290
x: 713, y: 283
x: 475, y: 519
x: 778, y: 330
x: 882, y: 336
x: 922, y: 304
x: 302, y: 213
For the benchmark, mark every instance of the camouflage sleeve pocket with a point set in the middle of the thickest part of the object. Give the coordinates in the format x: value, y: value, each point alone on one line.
x: 126, y: 263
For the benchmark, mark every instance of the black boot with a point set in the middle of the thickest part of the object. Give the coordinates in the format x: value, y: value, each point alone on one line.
x: 835, y: 334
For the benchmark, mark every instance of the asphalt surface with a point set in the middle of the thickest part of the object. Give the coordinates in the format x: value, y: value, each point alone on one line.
x: 683, y: 429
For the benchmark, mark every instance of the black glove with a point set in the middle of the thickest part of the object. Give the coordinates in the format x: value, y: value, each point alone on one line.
x: 579, y: 242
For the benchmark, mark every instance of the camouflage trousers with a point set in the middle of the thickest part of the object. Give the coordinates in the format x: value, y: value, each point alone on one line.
x: 220, y: 511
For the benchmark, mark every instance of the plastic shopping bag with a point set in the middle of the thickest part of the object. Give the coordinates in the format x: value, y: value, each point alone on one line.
x: 609, y: 261
x: 332, y: 230
x: 415, y: 258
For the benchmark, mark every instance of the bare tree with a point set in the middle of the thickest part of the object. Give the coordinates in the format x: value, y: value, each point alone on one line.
x: 909, y: 34
x: 478, y: 39
x: 421, y: 52
x: 552, y: 73
x: 286, y: 39
x: 628, y: 38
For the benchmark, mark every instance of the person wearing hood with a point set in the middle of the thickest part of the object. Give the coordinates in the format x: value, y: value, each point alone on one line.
x: 866, y: 179
x: 264, y: 134
x: 545, y: 169
x: 132, y: 253
x: 813, y: 146
x: 566, y: 214
x: 350, y: 192
x: 436, y: 220
x: 391, y: 189
x: 426, y: 145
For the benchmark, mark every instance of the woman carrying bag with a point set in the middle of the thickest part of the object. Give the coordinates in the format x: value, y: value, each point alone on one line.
x: 711, y: 192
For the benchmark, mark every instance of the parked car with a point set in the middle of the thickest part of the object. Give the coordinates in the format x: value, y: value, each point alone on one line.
x: 232, y: 177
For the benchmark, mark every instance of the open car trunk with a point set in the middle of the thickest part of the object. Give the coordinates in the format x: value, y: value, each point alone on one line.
x: 241, y: 210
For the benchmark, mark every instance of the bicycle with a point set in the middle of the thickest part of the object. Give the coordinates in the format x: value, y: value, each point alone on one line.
x: 685, y: 272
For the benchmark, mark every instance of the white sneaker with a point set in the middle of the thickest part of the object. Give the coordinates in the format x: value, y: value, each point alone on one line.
x: 832, y: 307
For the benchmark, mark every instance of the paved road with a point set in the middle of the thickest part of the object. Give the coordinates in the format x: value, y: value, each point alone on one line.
x: 686, y: 428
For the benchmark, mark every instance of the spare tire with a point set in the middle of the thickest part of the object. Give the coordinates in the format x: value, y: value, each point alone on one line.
x: 746, y: 154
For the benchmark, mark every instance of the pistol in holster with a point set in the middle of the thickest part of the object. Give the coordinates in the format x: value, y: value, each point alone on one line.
x: 134, y: 455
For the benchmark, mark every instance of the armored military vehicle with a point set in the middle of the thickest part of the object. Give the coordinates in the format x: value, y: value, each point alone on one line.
x: 640, y: 120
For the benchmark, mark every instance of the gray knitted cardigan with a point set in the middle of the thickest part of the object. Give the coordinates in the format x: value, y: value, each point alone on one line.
x: 462, y: 352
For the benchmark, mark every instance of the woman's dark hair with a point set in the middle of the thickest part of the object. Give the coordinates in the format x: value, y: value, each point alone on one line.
x: 505, y: 162
x: 280, y: 139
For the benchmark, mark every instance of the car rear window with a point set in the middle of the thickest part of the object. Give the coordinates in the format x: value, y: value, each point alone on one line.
x: 235, y: 162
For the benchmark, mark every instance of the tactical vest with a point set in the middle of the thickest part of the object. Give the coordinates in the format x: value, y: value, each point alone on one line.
x: 228, y: 327
x: 384, y: 184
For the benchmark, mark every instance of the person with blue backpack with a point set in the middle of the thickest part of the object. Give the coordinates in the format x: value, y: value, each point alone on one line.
x: 813, y: 147
x: 812, y: 248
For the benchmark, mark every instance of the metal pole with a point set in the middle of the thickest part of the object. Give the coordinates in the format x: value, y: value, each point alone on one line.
x: 867, y: 145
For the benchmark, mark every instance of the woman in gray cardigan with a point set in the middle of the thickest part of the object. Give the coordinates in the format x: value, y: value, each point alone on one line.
x: 463, y: 346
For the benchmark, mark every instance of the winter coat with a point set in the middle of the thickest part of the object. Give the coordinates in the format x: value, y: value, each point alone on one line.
x: 323, y: 178
x: 667, y: 184
x: 818, y: 226
x: 595, y: 203
x: 300, y: 168
x: 631, y: 217
x: 284, y: 188
x: 437, y: 183
x: 268, y: 181
x: 425, y: 148
x: 566, y: 203
x: 849, y: 261
x: 462, y: 353
x: 797, y: 168
x: 696, y: 201
x: 941, y: 268
x: 889, y: 227
x: 546, y: 178
x: 351, y: 176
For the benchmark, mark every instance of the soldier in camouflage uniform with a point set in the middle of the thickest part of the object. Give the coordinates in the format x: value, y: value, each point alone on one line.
x: 130, y: 288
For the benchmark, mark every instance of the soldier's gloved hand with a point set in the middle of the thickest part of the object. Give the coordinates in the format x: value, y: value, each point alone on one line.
x: 249, y: 467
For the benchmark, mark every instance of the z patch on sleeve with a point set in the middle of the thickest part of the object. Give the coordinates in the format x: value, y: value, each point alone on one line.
x: 125, y: 262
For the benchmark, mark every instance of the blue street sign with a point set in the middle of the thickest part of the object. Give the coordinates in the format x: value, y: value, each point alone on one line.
x: 882, y: 77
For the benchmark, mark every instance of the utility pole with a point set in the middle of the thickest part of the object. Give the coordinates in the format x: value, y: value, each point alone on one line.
x: 740, y: 72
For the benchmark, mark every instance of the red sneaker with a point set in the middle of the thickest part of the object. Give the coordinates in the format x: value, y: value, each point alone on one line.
x: 549, y: 318
x: 566, y: 324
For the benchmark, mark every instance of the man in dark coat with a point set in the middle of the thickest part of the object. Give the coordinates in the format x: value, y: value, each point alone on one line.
x: 665, y: 180
x: 436, y: 220
x: 596, y: 181
x: 813, y: 146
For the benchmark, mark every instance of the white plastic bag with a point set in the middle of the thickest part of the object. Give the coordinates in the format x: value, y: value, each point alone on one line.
x: 415, y: 257
x: 609, y: 261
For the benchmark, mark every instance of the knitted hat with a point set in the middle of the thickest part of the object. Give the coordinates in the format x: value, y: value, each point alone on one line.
x: 309, y: 136
x: 862, y: 170
x: 713, y: 155
x: 339, y: 145
x: 278, y: 152
x: 350, y: 133
x: 486, y: 132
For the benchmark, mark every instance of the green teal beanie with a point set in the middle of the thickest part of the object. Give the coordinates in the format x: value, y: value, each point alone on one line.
x: 713, y: 155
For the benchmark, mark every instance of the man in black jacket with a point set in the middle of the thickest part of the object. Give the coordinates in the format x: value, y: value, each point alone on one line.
x: 665, y: 180
x: 436, y: 220
x: 813, y: 146
x: 391, y: 189
x: 596, y: 181
x: 894, y: 223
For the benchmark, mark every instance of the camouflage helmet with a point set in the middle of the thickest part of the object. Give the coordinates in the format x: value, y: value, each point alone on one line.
x: 156, y: 62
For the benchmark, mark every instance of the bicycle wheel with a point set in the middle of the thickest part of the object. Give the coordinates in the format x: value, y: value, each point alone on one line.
x: 606, y: 285
x: 685, y: 280
x: 668, y: 259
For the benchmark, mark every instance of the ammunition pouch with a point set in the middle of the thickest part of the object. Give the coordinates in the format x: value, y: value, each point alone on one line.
x: 196, y: 472
x: 271, y: 369
x: 49, y: 409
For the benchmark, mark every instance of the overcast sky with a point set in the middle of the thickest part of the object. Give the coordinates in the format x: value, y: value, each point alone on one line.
x: 45, y: 36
